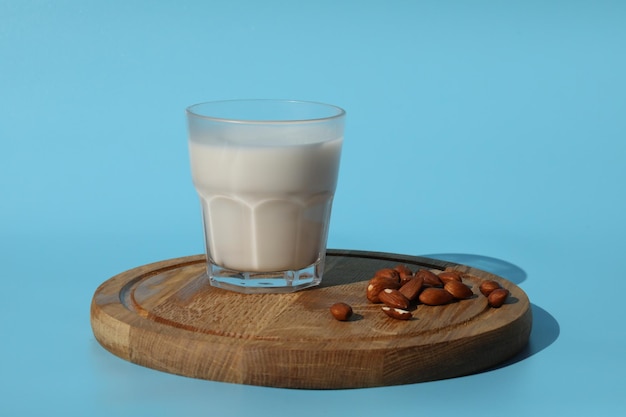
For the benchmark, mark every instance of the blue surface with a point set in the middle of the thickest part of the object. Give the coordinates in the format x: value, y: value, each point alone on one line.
x: 491, y: 133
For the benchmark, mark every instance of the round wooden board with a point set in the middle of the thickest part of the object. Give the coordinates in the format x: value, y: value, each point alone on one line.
x: 166, y: 316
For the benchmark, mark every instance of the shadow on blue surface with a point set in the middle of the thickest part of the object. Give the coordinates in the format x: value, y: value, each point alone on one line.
x: 545, y: 328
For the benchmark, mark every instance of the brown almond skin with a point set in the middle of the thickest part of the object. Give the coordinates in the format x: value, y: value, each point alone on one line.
x: 377, y: 284
x: 341, y: 311
x: 446, y: 276
x: 411, y: 289
x: 486, y: 287
x: 405, y: 273
x: 430, y: 279
x: 435, y: 296
x: 397, y: 313
x: 394, y: 298
x: 458, y: 290
x: 497, y: 297
x: 388, y: 273
x: 455, y: 272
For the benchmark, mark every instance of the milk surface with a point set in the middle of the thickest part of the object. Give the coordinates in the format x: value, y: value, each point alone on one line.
x: 265, y: 208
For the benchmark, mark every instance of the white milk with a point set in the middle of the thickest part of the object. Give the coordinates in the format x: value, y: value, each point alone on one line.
x: 265, y: 208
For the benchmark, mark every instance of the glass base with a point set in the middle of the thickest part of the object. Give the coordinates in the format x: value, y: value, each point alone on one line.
x: 265, y: 282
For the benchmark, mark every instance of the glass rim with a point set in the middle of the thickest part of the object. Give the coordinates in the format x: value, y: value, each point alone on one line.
x: 339, y: 112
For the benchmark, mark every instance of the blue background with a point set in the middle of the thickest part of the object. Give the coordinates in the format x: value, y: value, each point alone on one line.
x: 490, y: 133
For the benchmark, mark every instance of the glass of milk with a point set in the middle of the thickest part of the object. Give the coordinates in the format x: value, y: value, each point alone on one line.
x: 266, y: 173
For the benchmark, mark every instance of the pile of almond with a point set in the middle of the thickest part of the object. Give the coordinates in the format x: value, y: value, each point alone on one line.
x: 399, y: 289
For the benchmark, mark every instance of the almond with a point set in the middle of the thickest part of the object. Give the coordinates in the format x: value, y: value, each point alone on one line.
x: 341, y: 311
x: 412, y: 288
x: 405, y: 273
x: 388, y: 273
x: 379, y: 283
x: 446, y: 276
x: 430, y: 279
x: 455, y: 272
x: 497, y: 297
x: 394, y: 298
x: 486, y: 287
x: 435, y: 296
x: 397, y: 313
x: 458, y: 290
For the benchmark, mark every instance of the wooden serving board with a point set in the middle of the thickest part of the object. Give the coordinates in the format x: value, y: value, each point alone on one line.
x: 166, y: 316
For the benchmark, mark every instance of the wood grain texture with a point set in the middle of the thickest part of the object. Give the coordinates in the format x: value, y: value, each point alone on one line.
x: 166, y: 316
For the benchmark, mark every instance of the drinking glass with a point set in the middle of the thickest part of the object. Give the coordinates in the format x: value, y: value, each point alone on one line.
x: 266, y: 173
